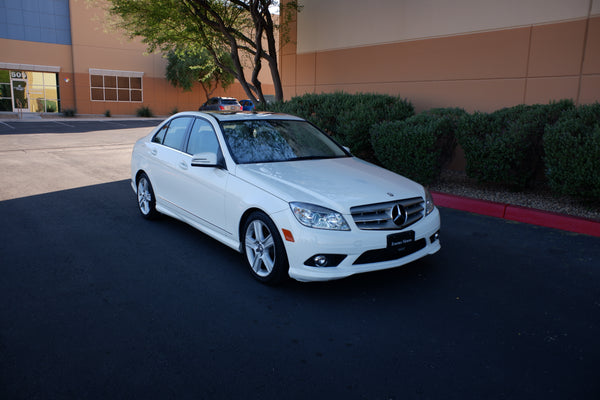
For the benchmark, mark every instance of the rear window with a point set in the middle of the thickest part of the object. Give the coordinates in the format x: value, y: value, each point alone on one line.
x: 229, y: 101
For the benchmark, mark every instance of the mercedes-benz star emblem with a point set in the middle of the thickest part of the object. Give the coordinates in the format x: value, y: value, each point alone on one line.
x: 398, y: 215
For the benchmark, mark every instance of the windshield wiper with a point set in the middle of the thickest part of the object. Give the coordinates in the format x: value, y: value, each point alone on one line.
x: 314, y: 158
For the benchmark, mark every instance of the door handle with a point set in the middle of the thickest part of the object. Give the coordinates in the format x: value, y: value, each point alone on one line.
x: 153, y: 152
x: 183, y: 165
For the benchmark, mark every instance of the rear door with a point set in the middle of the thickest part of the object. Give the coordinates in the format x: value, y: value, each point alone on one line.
x: 166, y: 162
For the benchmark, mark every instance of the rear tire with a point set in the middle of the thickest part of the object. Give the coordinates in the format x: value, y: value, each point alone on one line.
x: 145, y: 196
x: 264, y: 249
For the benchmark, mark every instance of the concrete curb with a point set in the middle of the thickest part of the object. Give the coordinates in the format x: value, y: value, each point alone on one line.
x: 518, y: 213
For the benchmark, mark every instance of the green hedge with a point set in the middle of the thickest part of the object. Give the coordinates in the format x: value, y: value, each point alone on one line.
x: 505, y: 147
x: 511, y: 147
x: 572, y: 148
x: 419, y: 146
x: 347, y: 117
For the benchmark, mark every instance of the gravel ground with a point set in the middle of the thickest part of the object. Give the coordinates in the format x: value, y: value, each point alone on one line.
x: 457, y: 183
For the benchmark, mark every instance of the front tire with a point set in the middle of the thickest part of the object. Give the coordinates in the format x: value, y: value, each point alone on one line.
x: 146, y: 199
x: 264, y: 249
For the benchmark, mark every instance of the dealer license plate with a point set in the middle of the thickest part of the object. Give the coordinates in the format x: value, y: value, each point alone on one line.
x: 400, y: 241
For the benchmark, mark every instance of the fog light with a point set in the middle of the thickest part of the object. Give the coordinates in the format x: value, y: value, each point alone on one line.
x: 325, y: 260
x: 320, y: 261
x: 434, y: 237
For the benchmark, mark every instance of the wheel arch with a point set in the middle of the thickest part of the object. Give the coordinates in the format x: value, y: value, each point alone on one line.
x: 280, y: 270
x: 138, y: 174
x: 243, y: 220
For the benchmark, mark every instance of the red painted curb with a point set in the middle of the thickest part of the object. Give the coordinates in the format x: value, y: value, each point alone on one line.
x: 467, y: 204
x: 519, y: 214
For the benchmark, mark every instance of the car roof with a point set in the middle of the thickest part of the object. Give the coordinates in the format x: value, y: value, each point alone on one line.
x: 223, y: 116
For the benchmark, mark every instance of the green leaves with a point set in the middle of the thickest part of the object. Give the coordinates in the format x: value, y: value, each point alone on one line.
x: 513, y: 147
x: 505, y: 147
x: 238, y: 35
x: 186, y: 67
x: 572, y: 153
x: 348, y: 117
x: 419, y: 146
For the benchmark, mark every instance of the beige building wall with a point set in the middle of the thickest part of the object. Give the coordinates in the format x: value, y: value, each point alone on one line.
x: 475, y: 54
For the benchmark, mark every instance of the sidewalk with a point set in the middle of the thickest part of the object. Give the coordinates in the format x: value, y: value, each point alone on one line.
x: 518, y: 213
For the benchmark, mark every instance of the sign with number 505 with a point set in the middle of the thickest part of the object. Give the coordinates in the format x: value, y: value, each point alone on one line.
x: 18, y: 75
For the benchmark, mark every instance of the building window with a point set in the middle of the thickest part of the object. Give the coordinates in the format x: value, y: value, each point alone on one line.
x: 5, y: 92
x: 43, y: 92
x: 29, y: 91
x: 123, y: 86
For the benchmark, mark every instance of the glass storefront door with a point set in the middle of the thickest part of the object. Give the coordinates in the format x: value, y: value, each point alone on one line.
x: 20, y: 95
x: 29, y: 91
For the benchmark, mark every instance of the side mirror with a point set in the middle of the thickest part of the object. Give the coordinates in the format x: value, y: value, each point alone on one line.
x: 207, y: 159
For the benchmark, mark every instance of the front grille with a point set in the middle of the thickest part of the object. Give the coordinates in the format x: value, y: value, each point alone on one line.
x: 379, y: 216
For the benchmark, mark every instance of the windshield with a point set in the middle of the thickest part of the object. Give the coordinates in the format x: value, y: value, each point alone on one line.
x: 259, y: 141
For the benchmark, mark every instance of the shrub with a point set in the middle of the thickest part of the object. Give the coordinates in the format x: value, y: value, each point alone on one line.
x: 505, y: 147
x: 572, y: 153
x: 364, y: 111
x: 447, y: 141
x: 69, y: 112
x: 107, y: 113
x: 347, y: 117
x: 174, y: 111
x: 419, y: 146
x: 320, y: 109
x: 144, y: 111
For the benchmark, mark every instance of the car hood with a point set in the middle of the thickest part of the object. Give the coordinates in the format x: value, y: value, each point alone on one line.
x: 338, y: 183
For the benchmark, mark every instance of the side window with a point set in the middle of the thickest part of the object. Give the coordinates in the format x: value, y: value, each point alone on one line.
x: 160, y: 135
x: 176, y: 132
x: 202, y: 138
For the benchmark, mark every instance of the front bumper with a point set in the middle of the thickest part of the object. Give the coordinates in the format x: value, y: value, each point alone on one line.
x: 356, y: 245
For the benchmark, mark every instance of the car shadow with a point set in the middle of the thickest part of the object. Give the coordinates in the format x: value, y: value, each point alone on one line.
x: 102, y: 222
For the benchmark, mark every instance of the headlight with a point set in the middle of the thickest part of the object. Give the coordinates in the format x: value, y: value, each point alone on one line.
x: 318, y: 217
x: 429, y: 206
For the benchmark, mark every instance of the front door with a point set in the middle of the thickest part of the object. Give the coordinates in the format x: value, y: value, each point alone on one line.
x: 20, y: 95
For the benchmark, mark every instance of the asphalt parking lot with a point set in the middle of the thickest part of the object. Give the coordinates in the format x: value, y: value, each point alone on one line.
x: 98, y: 303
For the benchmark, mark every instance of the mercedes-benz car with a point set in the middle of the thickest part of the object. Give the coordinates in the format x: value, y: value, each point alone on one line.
x: 285, y: 194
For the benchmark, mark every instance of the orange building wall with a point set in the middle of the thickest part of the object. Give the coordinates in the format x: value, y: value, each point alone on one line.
x: 96, y: 46
x: 477, y: 71
x: 56, y: 55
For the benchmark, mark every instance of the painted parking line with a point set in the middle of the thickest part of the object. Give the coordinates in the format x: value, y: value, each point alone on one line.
x: 112, y: 122
x: 4, y: 123
x: 62, y: 123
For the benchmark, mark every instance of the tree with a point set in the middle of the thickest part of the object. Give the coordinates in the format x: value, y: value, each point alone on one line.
x: 186, y: 67
x: 244, y: 29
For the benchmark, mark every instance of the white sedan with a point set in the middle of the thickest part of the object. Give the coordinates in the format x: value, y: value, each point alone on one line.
x: 279, y: 190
